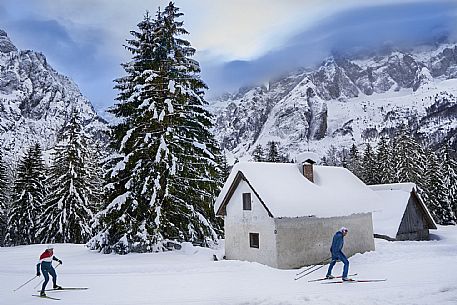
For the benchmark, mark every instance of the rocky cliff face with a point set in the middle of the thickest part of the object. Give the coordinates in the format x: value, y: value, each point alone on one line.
x: 36, y: 101
x: 345, y: 101
x: 6, y: 45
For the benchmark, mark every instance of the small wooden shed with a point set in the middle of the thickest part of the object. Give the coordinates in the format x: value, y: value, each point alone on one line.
x: 401, y: 214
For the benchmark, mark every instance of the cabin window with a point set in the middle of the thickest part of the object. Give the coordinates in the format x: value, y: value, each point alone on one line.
x: 246, y: 201
x: 254, y: 240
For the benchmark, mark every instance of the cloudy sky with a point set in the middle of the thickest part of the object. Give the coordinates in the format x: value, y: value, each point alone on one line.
x: 239, y: 42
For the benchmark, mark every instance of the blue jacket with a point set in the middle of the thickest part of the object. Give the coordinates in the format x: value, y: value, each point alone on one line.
x: 337, y: 245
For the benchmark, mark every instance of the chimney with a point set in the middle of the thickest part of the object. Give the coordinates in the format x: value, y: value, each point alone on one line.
x: 306, y: 163
x: 308, y: 170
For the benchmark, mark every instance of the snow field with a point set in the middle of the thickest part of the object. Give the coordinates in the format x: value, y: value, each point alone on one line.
x: 417, y: 273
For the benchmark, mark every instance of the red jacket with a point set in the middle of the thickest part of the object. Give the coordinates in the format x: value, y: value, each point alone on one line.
x: 46, y: 256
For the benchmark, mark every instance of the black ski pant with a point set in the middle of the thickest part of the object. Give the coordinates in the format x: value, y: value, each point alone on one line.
x: 46, y: 269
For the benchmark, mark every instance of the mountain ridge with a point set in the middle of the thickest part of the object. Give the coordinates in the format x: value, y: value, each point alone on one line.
x: 365, y: 84
x: 36, y: 101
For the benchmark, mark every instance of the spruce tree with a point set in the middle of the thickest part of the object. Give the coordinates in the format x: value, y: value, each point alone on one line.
x: 344, y: 157
x: 323, y: 161
x: 167, y: 175
x: 68, y: 209
x: 27, y: 200
x: 408, y: 160
x: 435, y: 189
x: 273, y: 152
x: 369, y: 166
x: 332, y: 157
x: 449, y: 169
x: 258, y: 154
x: 225, y: 168
x: 96, y: 175
x: 354, y: 162
x: 4, y: 199
x: 384, y: 172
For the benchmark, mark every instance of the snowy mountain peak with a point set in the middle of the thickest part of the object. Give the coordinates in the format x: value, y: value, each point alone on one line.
x: 36, y: 101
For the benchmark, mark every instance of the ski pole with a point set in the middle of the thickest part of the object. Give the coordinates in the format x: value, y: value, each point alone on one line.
x: 43, y: 279
x: 303, y: 275
x: 320, y: 263
x: 25, y: 283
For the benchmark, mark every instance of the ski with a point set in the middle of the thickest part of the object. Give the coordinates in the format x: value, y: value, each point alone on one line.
x: 68, y: 288
x: 45, y: 297
x: 356, y: 281
x: 324, y: 278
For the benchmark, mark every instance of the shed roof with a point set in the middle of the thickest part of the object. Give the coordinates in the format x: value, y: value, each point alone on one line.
x: 389, y: 211
x: 285, y: 192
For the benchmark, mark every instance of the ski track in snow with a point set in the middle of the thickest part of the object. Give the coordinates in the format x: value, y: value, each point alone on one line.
x: 418, y: 273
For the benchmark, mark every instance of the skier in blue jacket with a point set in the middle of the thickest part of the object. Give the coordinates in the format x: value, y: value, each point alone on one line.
x: 337, y: 254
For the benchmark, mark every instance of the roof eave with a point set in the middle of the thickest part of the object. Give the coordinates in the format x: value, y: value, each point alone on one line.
x: 221, y: 211
x: 428, y: 216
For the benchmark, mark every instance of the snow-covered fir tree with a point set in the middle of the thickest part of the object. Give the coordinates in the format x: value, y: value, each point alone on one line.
x: 225, y: 168
x: 408, y: 159
x: 403, y: 159
x: 369, y: 165
x: 384, y: 172
x: 344, y: 157
x: 449, y: 169
x: 68, y: 208
x: 258, y: 154
x: 332, y: 157
x: 354, y: 162
x: 273, y: 154
x: 167, y: 175
x: 96, y: 172
x: 436, y: 192
x: 4, y: 199
x: 27, y: 199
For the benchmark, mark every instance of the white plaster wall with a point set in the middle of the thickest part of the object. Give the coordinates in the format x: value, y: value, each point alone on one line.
x: 304, y: 241
x: 239, y: 223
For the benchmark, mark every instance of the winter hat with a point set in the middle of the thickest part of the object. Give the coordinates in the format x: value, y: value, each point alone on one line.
x: 49, y: 247
x: 344, y: 229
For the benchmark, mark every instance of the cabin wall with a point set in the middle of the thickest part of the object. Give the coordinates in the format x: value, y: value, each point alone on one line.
x: 238, y: 223
x: 304, y: 241
x: 413, y: 225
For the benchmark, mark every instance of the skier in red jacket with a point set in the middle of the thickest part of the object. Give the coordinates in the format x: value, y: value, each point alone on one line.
x: 46, y: 259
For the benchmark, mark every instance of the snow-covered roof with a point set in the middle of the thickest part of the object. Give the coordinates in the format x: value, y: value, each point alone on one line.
x: 389, y: 210
x: 405, y: 187
x: 285, y: 192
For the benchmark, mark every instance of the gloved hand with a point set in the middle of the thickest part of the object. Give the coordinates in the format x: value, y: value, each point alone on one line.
x: 38, y: 273
x: 60, y: 262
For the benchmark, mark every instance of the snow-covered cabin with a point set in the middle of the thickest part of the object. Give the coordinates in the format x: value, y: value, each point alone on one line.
x: 401, y: 214
x: 284, y: 215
